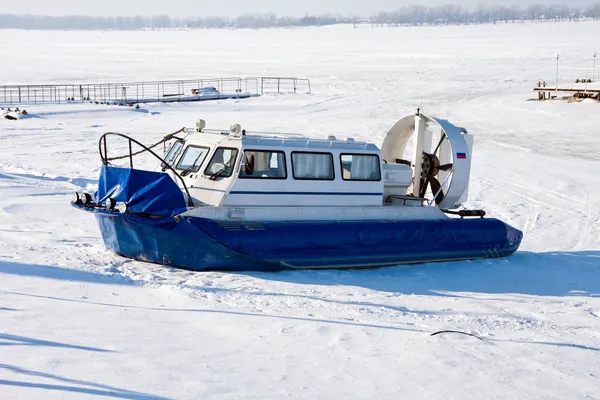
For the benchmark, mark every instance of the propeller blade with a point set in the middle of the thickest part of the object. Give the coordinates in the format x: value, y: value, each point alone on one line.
x: 440, y: 143
x: 446, y: 167
x: 435, y: 188
x: 423, y: 188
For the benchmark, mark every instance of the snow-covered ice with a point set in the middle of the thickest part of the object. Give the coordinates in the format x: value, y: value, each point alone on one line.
x: 77, y: 321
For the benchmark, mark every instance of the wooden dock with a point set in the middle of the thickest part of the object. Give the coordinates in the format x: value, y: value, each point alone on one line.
x: 566, y: 93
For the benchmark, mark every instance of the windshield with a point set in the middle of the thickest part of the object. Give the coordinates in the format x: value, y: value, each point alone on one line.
x: 172, y: 154
x: 222, y: 162
x: 192, y: 158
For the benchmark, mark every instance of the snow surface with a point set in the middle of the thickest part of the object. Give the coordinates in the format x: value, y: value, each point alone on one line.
x: 79, y: 322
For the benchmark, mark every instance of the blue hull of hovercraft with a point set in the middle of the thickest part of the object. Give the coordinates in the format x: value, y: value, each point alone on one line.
x: 203, y: 244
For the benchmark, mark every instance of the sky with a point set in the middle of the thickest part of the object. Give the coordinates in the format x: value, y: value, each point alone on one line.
x: 233, y: 8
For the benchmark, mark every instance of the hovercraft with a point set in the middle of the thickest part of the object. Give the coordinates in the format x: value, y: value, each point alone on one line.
x: 236, y: 200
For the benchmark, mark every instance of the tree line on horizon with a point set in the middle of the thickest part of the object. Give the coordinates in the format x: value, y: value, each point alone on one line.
x: 405, y: 16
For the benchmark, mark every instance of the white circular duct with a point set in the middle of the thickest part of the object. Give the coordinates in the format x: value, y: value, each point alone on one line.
x: 455, y: 148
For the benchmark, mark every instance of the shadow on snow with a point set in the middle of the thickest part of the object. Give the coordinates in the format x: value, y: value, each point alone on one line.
x: 80, y: 182
x: 58, y: 273
x: 14, y: 340
x: 525, y: 273
x: 83, y: 387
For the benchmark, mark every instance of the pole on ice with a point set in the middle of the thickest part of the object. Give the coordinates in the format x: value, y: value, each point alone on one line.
x: 557, y: 58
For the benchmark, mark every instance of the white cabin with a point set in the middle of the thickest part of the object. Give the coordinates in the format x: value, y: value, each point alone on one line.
x: 239, y: 169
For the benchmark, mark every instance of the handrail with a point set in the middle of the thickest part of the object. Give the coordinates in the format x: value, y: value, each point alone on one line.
x: 126, y: 93
x: 252, y: 133
x: 105, y: 160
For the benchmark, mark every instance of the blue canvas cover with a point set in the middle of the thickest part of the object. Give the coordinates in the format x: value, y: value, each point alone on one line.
x: 146, y: 192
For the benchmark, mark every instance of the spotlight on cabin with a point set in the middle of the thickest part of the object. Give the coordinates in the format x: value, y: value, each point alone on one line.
x: 235, y: 129
x: 200, y: 124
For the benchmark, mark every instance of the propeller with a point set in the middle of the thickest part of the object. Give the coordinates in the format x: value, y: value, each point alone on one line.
x: 430, y: 169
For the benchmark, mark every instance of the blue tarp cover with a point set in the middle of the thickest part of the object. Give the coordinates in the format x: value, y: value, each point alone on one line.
x: 147, y: 192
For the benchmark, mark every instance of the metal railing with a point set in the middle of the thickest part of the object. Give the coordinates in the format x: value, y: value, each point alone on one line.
x: 103, y: 150
x: 152, y: 91
x: 285, y: 85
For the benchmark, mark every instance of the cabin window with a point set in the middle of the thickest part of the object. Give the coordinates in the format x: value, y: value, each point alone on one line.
x: 313, y: 166
x: 222, y: 163
x: 172, y: 154
x: 360, y: 167
x: 263, y: 165
x: 192, y: 158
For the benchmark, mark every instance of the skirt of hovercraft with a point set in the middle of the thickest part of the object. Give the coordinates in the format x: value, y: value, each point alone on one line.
x: 202, y: 244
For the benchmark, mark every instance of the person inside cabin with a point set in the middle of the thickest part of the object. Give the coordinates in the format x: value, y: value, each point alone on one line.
x: 264, y: 164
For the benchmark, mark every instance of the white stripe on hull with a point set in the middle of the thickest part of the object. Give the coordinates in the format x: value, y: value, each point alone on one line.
x: 331, y: 213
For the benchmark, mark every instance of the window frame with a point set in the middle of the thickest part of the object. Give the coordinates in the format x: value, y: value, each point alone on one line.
x: 313, y: 179
x: 237, y: 153
x: 185, y: 151
x: 261, y: 177
x: 360, y: 154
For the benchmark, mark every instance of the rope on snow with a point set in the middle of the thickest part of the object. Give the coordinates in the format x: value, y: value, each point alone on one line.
x: 462, y: 333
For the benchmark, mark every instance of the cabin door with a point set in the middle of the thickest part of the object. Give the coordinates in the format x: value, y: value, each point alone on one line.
x: 216, y: 179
